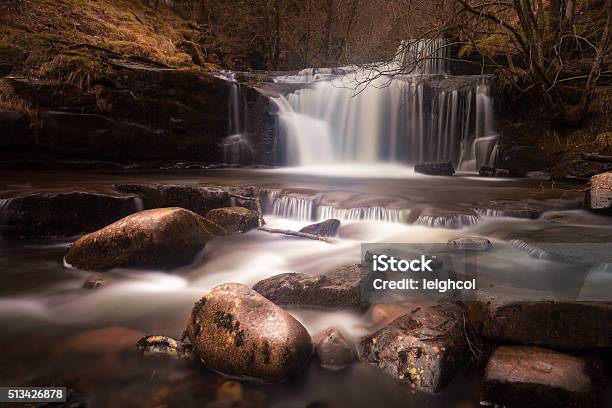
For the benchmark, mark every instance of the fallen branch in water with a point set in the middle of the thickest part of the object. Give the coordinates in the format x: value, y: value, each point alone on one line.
x: 298, y: 234
x: 597, y: 157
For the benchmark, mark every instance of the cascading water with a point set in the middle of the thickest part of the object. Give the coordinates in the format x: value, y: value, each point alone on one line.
x: 363, y: 115
x: 236, y: 147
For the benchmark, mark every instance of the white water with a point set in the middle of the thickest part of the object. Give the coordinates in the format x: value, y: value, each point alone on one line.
x: 363, y: 115
x: 235, y: 147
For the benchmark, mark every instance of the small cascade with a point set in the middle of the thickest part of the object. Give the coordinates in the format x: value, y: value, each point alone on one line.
x: 356, y: 115
x: 455, y: 221
x: 294, y: 207
x: 376, y: 213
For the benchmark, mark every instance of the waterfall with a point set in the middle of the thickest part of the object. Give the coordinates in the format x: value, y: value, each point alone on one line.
x: 363, y: 115
x: 235, y: 147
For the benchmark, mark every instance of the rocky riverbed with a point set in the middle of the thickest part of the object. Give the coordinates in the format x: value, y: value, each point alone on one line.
x: 244, y: 305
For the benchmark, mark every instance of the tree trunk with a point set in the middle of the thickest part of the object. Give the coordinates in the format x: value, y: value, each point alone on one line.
x: 603, y: 47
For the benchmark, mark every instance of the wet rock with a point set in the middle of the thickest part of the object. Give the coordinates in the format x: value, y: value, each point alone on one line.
x: 234, y: 219
x: 384, y: 313
x: 164, y: 346
x: 327, y: 228
x: 238, y: 332
x: 94, y: 136
x: 159, y: 238
x: 537, y: 319
x: 94, y: 282
x: 598, y: 197
x: 199, y: 199
x: 538, y: 175
x: 470, y: 244
x: 488, y: 171
x: 423, y: 348
x: 533, y: 377
x: 341, y: 289
x: 333, y: 349
x: 435, y: 168
x: 60, y: 214
x: 16, y: 131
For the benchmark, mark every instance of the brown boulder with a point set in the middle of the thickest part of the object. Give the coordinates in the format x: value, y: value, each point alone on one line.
x: 327, y: 228
x: 341, y: 289
x: 236, y: 331
x: 529, y: 319
x: 423, y: 348
x: 160, y: 238
x: 533, y: 377
x: 234, y: 219
x: 598, y: 198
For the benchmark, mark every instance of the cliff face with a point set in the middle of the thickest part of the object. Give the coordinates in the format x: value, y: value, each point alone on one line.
x: 108, y: 81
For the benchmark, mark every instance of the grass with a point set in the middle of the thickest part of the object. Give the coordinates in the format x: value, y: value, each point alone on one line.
x: 10, y: 101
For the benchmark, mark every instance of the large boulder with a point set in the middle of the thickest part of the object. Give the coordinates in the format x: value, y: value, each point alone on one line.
x: 236, y: 331
x: 435, y: 168
x: 60, y: 214
x: 423, y: 348
x: 159, y: 238
x: 199, y: 199
x: 327, y: 228
x: 598, y: 198
x: 341, y: 289
x: 533, y: 377
x: 234, y: 219
x: 530, y: 319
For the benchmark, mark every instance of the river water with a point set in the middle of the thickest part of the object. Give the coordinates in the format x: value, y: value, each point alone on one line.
x: 53, y: 331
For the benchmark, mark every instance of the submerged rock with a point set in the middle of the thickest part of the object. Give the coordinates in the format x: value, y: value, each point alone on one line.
x: 423, y: 348
x: 234, y: 219
x: 341, y: 289
x: 60, y: 214
x: 159, y: 238
x: 333, y: 349
x: 598, y: 198
x: 532, y: 319
x: 435, y: 168
x: 238, y: 332
x: 94, y: 282
x: 199, y: 199
x: 164, y: 346
x: 470, y: 244
x: 327, y: 228
x: 533, y: 377
x: 538, y: 175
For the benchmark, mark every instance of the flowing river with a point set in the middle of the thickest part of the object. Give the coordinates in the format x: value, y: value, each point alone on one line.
x: 52, y: 328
